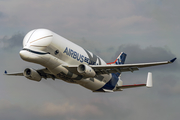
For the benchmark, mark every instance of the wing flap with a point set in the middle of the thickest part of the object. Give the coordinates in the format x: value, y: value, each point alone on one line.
x: 115, y: 70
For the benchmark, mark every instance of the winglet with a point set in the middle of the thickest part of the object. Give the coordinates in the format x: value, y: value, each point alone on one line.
x: 173, y: 60
x: 149, y: 82
x: 5, y: 72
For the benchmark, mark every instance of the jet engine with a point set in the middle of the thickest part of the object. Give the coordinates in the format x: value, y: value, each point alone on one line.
x: 86, y: 70
x: 32, y: 74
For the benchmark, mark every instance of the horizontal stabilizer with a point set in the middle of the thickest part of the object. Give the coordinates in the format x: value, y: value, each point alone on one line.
x: 148, y: 84
x: 132, y: 86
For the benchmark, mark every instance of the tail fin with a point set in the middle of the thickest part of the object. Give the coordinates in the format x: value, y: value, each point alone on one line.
x: 120, y: 59
x: 115, y: 80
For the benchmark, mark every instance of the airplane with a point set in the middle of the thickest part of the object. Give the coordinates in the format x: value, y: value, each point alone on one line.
x: 67, y: 61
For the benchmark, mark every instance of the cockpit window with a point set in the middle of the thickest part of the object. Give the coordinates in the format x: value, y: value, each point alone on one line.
x: 36, y: 52
x: 56, y: 52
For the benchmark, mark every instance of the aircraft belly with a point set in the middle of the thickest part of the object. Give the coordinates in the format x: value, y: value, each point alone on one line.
x: 91, y: 84
x: 53, y: 64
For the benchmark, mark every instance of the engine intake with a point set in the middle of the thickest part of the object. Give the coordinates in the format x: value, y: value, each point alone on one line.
x: 32, y: 74
x: 86, y: 70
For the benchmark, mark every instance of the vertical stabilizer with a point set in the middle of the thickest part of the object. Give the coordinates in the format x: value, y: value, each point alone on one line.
x: 149, y: 80
x: 115, y: 80
x: 120, y: 59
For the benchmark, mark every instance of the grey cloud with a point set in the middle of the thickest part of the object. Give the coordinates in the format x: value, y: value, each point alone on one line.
x: 95, y: 108
x: 136, y: 54
x: 9, y: 111
x: 111, y: 108
x: 126, y: 106
x: 167, y: 85
x: 82, y: 17
x: 103, y: 23
x: 2, y: 15
x: 12, y: 42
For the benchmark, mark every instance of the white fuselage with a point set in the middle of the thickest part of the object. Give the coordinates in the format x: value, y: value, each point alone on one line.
x: 52, y: 51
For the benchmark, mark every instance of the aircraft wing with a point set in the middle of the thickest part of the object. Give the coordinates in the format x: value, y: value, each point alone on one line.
x: 106, y: 69
x: 127, y: 67
x: 14, y: 74
x: 43, y: 72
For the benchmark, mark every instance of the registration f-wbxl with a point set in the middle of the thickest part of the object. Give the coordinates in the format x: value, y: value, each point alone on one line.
x: 67, y: 61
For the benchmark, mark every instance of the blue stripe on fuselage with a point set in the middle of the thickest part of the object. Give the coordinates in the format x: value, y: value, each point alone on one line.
x: 111, y: 84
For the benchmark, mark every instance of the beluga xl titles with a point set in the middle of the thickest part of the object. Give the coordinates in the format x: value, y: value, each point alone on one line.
x: 65, y: 60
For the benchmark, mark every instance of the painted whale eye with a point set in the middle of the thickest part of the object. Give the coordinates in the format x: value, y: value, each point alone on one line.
x: 56, y: 52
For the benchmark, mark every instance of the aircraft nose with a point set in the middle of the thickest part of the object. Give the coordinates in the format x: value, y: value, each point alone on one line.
x: 23, y: 54
x: 32, y: 55
x: 27, y: 56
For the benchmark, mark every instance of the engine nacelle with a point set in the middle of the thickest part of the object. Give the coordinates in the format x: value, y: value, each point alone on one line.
x: 32, y: 74
x: 86, y: 70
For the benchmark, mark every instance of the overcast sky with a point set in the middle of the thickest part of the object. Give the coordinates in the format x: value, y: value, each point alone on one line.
x: 147, y: 30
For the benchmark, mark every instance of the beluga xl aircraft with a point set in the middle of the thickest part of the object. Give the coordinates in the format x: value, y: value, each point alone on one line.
x: 67, y: 61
